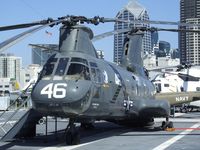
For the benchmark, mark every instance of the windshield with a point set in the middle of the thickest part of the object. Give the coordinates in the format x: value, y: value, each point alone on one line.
x: 49, y: 66
x: 78, y: 71
x: 61, y: 66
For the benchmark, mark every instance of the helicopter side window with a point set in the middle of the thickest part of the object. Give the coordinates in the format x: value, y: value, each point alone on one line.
x: 92, y: 64
x: 95, y: 72
x: 78, y: 71
x: 99, y: 76
x: 61, y: 66
x: 158, y: 87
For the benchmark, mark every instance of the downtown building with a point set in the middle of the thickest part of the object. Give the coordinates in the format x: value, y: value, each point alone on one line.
x: 10, y: 66
x: 42, y: 52
x: 132, y: 11
x: 189, y: 43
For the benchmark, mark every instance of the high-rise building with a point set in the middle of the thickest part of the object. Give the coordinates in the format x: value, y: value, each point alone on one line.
x: 132, y: 11
x: 193, y: 43
x: 165, y: 47
x: 10, y: 66
x: 100, y: 54
x: 41, y: 52
x: 175, y: 53
x: 29, y: 75
x: 154, y: 39
x: 189, y: 43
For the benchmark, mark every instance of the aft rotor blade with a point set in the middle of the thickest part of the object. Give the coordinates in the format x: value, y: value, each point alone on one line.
x: 179, y: 30
x: 10, y: 42
x: 156, y: 22
x: 160, y: 68
x: 107, y: 34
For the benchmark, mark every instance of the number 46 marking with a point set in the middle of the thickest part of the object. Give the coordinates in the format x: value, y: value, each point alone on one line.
x: 54, y: 90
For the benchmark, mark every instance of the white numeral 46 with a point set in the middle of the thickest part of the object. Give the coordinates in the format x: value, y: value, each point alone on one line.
x: 57, y: 90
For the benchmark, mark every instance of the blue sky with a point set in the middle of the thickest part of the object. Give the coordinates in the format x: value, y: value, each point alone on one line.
x: 23, y: 11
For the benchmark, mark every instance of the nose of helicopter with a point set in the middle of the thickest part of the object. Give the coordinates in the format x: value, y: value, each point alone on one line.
x: 61, y: 98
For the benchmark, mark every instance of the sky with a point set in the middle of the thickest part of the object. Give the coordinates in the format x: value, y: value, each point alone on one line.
x: 24, y: 11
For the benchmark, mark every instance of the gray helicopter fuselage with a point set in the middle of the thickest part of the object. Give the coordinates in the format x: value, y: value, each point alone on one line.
x: 74, y: 83
x: 108, y: 92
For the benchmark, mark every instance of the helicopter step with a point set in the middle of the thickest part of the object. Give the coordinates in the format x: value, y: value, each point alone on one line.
x: 116, y: 93
x: 25, y: 127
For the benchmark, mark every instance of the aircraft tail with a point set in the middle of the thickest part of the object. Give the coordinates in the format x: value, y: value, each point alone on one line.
x: 132, y: 54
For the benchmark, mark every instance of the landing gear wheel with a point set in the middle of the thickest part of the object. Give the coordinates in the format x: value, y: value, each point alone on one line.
x: 163, y: 125
x: 170, y: 124
x: 72, y: 134
x: 167, y: 124
x: 72, y: 138
x: 190, y: 109
x: 184, y: 110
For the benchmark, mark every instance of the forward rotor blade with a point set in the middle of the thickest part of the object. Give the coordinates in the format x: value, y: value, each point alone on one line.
x: 10, y: 42
x: 107, y: 34
x: 26, y: 25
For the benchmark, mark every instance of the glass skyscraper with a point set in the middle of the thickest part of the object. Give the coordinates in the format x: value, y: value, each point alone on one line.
x: 189, y: 43
x: 132, y: 11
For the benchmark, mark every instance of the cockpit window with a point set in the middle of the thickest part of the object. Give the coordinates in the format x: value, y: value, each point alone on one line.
x: 61, y: 66
x: 81, y: 60
x: 49, y: 66
x: 78, y: 71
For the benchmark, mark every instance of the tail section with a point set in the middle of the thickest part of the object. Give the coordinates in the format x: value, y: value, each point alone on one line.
x: 132, y: 56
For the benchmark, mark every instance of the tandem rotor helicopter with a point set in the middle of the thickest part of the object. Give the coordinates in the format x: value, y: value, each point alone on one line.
x: 75, y: 84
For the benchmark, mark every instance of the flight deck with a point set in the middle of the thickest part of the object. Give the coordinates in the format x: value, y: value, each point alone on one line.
x: 105, y: 135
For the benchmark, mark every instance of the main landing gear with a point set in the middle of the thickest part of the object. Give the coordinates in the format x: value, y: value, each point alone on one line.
x: 167, y: 124
x: 72, y: 134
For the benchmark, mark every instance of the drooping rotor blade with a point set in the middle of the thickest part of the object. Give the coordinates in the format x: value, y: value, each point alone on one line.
x: 8, y: 43
x: 152, y: 29
x: 107, y: 34
x: 45, y: 48
x: 26, y: 25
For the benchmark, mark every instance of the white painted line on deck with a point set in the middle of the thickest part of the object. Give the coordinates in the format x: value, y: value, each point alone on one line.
x: 68, y: 147
x: 179, y: 114
x: 176, y: 138
x: 185, y: 120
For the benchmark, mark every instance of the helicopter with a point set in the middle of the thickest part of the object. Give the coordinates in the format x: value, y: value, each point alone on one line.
x: 181, y: 86
x: 74, y: 83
